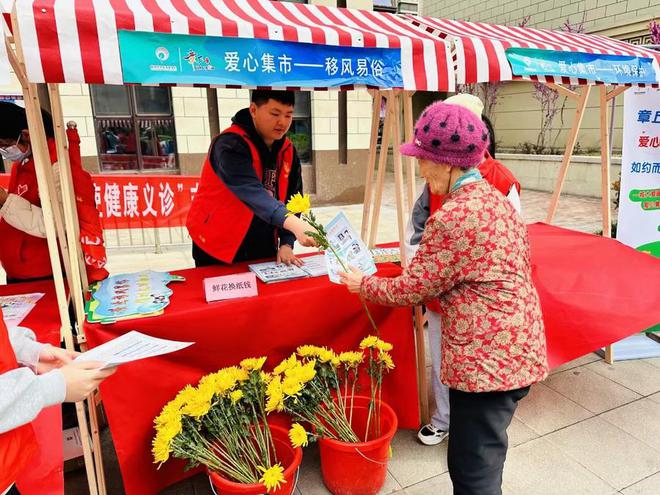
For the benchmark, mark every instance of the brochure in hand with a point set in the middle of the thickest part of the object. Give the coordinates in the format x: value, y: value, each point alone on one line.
x: 349, y: 247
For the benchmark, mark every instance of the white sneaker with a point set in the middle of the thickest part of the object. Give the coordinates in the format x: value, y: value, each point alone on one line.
x: 430, y: 435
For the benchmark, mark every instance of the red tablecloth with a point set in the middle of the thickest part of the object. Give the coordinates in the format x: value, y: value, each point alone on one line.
x: 45, y: 475
x: 594, y: 291
x: 283, y: 316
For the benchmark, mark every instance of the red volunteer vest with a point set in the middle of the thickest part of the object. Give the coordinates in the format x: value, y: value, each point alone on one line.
x: 218, y: 221
x: 17, y: 446
x: 24, y: 256
x: 497, y: 175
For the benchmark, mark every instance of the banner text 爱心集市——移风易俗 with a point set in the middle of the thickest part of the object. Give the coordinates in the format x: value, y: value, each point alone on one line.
x: 185, y: 59
x: 613, y: 69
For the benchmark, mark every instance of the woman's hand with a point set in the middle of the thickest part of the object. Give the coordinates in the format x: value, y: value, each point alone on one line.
x: 352, y: 280
x: 52, y: 357
x: 299, y: 228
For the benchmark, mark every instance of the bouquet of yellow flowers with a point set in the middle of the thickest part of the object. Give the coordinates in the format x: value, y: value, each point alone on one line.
x: 221, y: 424
x: 316, y: 386
x: 301, y: 205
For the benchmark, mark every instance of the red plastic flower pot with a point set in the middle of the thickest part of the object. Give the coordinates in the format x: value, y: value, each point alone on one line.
x: 359, y: 468
x: 287, y: 455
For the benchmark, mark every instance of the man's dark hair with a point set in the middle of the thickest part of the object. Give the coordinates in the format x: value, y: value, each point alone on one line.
x: 13, y: 120
x: 491, y: 134
x: 260, y: 97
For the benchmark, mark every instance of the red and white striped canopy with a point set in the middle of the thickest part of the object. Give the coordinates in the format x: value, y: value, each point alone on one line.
x: 77, y: 41
x: 479, y: 49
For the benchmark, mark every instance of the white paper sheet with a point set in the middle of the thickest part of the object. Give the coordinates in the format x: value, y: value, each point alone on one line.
x: 129, y: 347
x: 315, y: 266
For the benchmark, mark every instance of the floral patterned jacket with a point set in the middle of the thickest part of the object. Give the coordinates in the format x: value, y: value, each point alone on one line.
x: 475, y: 259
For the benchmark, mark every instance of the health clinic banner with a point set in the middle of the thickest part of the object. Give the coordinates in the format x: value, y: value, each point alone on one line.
x: 188, y: 59
x: 639, y: 204
x: 615, y: 69
x: 136, y: 201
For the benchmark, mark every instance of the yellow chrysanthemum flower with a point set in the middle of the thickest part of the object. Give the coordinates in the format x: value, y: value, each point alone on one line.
x: 368, y: 342
x: 275, y: 397
x: 298, y: 436
x: 172, y: 408
x: 266, y: 377
x: 171, y: 428
x: 185, y: 395
x: 289, y: 363
x: 351, y: 359
x: 253, y: 364
x: 386, y: 360
x: 199, y: 404
x: 273, y: 477
x: 307, y: 372
x: 236, y: 395
x: 307, y: 350
x: 325, y: 355
x: 299, y: 203
x: 160, y: 448
x: 291, y: 386
x: 381, y: 345
x: 239, y: 374
x: 208, y: 381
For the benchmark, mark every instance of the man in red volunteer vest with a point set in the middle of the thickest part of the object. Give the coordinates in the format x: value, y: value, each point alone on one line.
x: 251, y: 171
x: 34, y: 376
x: 501, y: 178
x: 24, y: 249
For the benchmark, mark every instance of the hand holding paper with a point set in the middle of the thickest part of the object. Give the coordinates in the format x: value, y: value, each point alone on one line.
x: 131, y: 346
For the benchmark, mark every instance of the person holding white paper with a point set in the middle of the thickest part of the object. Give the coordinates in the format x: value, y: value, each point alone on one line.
x: 34, y: 376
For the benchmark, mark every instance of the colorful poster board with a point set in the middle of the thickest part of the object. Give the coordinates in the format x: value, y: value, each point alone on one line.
x: 129, y: 296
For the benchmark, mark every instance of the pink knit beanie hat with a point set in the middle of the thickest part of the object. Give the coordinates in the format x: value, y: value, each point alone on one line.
x: 448, y: 134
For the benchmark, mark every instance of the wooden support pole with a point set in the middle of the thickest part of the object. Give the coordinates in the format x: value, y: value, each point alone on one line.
x: 398, y: 176
x: 616, y: 92
x: 605, y: 163
x: 401, y: 212
x: 77, y: 284
x: 605, y: 181
x: 382, y: 165
x: 371, y: 164
x: 562, y: 90
x: 568, y: 153
x: 53, y: 226
x: 410, y: 161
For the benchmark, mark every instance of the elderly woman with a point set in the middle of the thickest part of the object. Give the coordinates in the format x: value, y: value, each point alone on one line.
x: 474, y: 258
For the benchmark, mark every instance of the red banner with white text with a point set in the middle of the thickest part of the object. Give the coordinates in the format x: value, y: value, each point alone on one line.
x: 140, y: 201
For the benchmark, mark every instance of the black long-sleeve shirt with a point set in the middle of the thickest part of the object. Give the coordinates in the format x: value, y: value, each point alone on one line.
x: 231, y: 160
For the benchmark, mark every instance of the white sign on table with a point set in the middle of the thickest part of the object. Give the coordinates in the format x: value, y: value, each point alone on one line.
x: 230, y: 286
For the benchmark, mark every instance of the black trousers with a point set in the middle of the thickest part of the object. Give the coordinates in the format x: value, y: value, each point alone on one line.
x: 13, y: 491
x: 478, y: 441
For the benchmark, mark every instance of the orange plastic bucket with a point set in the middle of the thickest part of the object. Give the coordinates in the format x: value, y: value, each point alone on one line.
x: 289, y: 457
x: 359, y: 468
